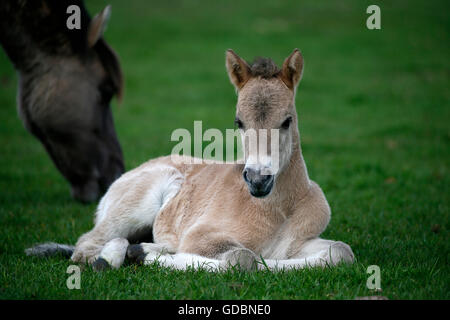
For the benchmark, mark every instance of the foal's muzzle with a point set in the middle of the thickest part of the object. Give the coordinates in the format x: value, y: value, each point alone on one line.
x: 259, y: 184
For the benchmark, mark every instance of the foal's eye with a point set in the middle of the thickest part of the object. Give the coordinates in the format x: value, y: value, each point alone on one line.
x: 286, y: 123
x: 239, y: 123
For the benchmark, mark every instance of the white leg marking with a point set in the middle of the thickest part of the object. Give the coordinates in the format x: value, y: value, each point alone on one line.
x: 182, y: 261
x: 315, y: 252
x: 114, y: 252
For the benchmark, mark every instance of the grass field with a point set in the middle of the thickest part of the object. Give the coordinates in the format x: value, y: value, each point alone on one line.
x: 374, y: 119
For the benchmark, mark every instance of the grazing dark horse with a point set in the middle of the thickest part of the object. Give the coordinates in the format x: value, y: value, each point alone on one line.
x: 67, y: 79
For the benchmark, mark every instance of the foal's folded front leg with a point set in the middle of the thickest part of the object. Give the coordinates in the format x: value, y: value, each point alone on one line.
x: 200, y: 250
x: 240, y: 257
x: 314, y: 252
x: 214, y: 244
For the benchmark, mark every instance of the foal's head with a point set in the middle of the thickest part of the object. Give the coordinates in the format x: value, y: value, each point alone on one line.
x: 266, y: 116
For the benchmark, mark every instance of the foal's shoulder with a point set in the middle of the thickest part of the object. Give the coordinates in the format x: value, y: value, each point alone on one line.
x: 313, y: 202
x: 311, y: 214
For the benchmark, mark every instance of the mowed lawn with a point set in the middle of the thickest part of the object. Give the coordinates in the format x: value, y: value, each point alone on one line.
x: 374, y: 121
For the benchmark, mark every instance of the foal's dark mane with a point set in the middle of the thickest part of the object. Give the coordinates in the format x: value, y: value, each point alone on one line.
x: 264, y: 68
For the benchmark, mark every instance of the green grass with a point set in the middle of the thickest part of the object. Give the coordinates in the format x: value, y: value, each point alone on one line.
x: 374, y: 118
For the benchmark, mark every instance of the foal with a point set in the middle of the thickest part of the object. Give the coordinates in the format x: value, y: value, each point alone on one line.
x: 219, y: 215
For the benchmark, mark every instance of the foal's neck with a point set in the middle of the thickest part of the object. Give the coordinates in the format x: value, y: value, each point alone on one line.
x: 293, y: 183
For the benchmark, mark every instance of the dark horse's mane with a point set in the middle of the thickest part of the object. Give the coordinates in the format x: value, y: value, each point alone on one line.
x: 28, y: 26
x: 111, y: 64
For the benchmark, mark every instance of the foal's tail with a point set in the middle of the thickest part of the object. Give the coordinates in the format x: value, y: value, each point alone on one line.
x: 49, y: 249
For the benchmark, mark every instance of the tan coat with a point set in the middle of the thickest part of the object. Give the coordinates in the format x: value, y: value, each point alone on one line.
x: 204, y: 214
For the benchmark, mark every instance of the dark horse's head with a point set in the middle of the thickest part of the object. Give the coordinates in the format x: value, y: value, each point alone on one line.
x: 67, y: 78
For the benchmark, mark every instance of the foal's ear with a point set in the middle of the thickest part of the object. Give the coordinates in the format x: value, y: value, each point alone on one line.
x: 292, y: 70
x: 98, y: 25
x: 238, y: 70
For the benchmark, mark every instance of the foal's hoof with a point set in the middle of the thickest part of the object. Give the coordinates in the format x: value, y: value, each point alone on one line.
x: 101, y: 265
x: 339, y: 252
x: 136, y: 253
x: 243, y: 258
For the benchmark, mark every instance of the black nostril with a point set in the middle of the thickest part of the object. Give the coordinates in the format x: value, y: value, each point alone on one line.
x: 244, y: 174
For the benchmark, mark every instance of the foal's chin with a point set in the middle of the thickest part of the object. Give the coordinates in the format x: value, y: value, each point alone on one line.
x: 261, y: 193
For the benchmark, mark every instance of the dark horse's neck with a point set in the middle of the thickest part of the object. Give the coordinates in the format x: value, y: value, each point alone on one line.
x: 31, y: 29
